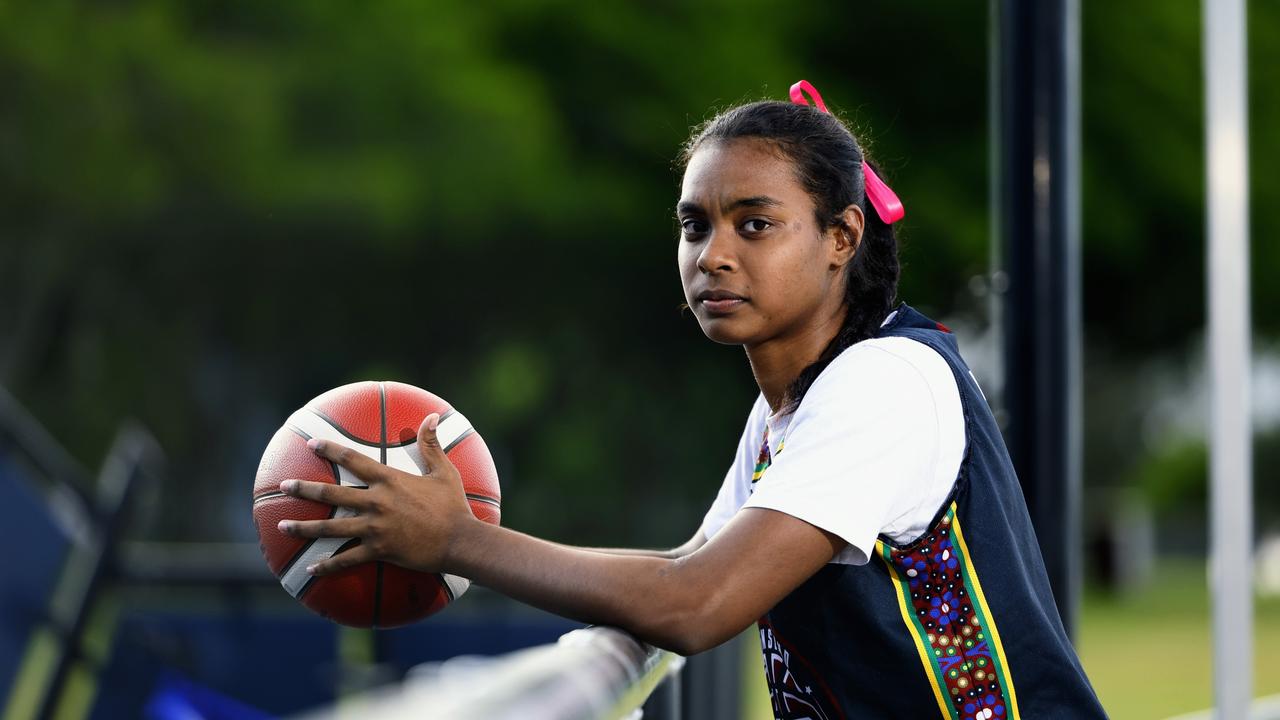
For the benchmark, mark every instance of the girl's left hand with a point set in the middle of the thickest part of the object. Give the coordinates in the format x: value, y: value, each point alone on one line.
x: 406, y: 519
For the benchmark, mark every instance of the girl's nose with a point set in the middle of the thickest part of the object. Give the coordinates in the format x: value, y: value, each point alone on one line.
x: 717, y: 254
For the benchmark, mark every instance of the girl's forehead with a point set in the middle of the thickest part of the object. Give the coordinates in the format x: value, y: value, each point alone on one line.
x: 720, y: 172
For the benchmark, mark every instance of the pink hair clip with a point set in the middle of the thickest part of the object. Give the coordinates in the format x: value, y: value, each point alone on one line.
x: 882, y: 198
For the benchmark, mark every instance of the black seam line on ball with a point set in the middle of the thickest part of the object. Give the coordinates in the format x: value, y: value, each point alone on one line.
x: 267, y: 496
x: 445, y: 584
x: 312, y: 580
x: 337, y: 479
x: 382, y: 420
x: 333, y: 466
x: 294, y: 561
x: 333, y: 510
x: 341, y: 430
x: 485, y: 499
x: 414, y: 439
x: 337, y: 476
x: 463, y: 436
x: 382, y: 457
x: 377, y: 594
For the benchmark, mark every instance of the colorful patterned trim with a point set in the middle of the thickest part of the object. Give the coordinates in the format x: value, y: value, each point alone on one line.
x: 764, y: 459
x: 959, y: 647
x: 917, y: 634
x: 986, y: 619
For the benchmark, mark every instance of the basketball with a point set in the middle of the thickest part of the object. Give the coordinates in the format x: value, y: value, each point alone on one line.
x: 380, y: 420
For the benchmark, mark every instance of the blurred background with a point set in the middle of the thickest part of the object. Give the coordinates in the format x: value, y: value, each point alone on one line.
x: 211, y: 212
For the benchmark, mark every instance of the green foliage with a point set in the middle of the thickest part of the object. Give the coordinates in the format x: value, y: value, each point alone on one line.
x: 1143, y: 130
x: 1177, y: 477
x: 213, y: 211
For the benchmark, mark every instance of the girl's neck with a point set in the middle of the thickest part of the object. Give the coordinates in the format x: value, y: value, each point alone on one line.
x: 778, y: 362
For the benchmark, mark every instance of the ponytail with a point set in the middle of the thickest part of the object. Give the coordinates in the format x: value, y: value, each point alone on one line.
x: 871, y: 288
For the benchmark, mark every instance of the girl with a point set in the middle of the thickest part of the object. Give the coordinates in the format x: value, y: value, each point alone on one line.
x: 871, y: 523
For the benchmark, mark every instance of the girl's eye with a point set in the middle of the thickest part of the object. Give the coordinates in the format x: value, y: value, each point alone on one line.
x: 693, y: 227
x: 755, y: 225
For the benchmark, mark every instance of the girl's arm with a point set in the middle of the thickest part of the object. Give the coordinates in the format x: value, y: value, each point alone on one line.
x: 695, y: 542
x: 687, y: 604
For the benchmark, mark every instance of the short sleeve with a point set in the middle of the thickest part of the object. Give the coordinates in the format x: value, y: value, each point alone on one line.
x: 737, y: 482
x: 859, y: 449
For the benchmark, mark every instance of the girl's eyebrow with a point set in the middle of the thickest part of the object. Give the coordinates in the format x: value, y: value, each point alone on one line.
x: 755, y: 201
x: 686, y: 207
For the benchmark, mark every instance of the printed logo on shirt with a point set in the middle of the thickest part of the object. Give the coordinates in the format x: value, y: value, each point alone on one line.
x: 795, y: 690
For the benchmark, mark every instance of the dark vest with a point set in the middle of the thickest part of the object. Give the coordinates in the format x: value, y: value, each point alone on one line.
x: 959, y: 624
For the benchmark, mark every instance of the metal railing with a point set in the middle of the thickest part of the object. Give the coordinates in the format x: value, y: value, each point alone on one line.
x: 596, y: 672
x: 590, y: 674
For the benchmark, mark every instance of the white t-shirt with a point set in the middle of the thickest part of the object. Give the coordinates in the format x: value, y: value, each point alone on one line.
x: 874, y: 448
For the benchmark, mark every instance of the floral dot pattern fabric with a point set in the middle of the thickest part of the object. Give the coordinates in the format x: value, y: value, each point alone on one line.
x: 942, y: 606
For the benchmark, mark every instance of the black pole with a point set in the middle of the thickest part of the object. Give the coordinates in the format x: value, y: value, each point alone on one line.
x: 1037, y: 145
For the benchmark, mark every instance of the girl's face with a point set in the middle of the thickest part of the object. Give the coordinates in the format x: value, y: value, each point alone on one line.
x: 754, y: 263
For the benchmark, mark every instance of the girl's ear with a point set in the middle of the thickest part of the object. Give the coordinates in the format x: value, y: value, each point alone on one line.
x: 846, y: 236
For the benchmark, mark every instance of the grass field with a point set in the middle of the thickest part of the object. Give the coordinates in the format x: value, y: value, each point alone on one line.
x: 1147, y: 653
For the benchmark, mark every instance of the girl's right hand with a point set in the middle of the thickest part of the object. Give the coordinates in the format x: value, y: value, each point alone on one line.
x: 406, y: 519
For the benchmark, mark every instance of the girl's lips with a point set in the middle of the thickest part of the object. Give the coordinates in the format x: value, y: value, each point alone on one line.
x: 722, y: 307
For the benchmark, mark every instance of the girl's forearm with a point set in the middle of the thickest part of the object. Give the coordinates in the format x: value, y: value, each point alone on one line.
x: 690, y: 546
x: 640, y: 593
x: 633, y: 552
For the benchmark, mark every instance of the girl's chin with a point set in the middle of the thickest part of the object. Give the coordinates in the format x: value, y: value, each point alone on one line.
x: 724, y: 331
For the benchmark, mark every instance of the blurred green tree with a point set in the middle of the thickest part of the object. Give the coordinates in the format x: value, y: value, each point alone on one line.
x: 212, y: 211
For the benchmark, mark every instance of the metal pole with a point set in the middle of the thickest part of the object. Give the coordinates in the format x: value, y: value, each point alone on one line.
x: 1230, y: 430
x: 1038, y: 176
